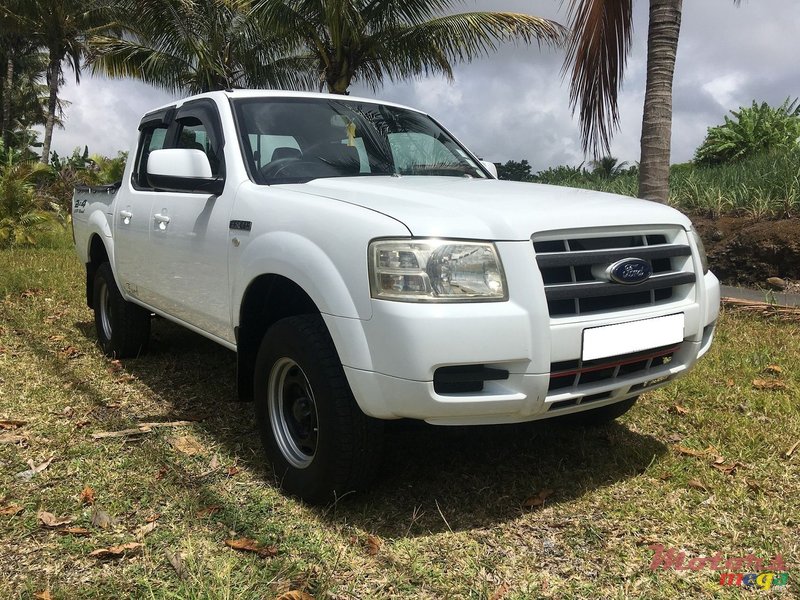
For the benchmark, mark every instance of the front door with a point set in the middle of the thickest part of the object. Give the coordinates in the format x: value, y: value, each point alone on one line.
x: 188, y: 247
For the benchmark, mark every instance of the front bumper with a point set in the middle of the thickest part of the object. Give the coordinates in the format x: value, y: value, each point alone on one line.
x: 391, y: 359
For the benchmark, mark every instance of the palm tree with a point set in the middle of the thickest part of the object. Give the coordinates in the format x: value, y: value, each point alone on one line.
x: 597, y: 48
x: 195, y: 46
x: 62, y: 28
x: 13, y: 46
x: 607, y: 167
x: 367, y: 40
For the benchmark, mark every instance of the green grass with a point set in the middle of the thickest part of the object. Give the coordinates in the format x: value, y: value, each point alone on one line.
x: 763, y: 186
x: 448, y: 510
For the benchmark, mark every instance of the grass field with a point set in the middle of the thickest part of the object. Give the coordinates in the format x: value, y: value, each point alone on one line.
x: 702, y: 466
x: 765, y: 186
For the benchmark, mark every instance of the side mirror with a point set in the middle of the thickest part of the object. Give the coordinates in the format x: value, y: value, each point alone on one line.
x: 182, y: 170
x: 491, y: 167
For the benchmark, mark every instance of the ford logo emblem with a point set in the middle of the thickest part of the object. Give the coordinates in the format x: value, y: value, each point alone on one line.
x: 629, y: 271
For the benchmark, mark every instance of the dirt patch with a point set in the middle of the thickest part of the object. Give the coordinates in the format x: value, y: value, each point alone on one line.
x: 743, y: 251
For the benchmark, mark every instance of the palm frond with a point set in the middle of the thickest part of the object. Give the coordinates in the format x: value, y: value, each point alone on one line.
x: 597, y: 49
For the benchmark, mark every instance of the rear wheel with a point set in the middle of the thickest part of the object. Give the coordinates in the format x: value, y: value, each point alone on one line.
x: 602, y: 415
x: 123, y: 328
x: 320, y: 444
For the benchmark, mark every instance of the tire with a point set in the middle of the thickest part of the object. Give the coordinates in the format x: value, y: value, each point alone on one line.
x: 320, y: 444
x: 123, y: 328
x: 600, y: 416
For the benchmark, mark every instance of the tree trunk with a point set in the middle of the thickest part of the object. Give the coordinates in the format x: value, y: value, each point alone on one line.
x: 338, y: 78
x: 662, y: 47
x: 53, y: 71
x: 7, y: 87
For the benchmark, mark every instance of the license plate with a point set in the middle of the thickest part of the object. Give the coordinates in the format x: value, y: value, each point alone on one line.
x: 634, y: 336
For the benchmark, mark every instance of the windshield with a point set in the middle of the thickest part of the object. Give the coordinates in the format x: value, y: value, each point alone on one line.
x: 298, y: 139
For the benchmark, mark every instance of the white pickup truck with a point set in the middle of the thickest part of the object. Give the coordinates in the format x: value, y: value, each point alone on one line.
x: 364, y: 265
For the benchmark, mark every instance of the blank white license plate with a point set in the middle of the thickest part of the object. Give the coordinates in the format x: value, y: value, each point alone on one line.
x: 634, y: 336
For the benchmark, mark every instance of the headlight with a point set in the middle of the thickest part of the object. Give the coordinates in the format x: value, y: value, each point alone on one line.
x: 436, y: 271
x: 702, y: 249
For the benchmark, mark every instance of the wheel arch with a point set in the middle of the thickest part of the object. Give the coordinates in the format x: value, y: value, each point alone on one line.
x: 267, y: 299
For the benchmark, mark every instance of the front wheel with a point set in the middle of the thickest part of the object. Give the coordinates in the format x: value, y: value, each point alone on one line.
x: 123, y: 328
x: 320, y: 444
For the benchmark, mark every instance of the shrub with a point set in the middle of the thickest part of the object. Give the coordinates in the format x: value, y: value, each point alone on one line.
x: 22, y: 218
x: 753, y: 130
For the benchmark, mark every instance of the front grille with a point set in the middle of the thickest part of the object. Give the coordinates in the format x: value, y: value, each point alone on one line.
x: 567, y: 376
x: 572, y: 269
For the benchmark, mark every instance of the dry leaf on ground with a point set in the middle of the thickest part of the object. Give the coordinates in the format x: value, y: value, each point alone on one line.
x: 145, y: 529
x: 101, y: 519
x: 537, y: 500
x: 48, y: 519
x: 697, y: 485
x: 679, y: 410
x: 115, y: 551
x: 11, y: 509
x: 373, y: 545
x: 11, y: 423
x: 87, y: 496
x: 501, y: 592
x: 34, y: 469
x: 71, y: 352
x: 727, y: 468
x: 295, y: 595
x: 12, y: 438
x: 45, y: 595
x: 234, y: 470
x: 187, y: 445
x: 688, y: 451
x: 176, y: 559
x: 768, y: 384
x: 208, y: 511
x: 773, y: 369
x: 248, y: 545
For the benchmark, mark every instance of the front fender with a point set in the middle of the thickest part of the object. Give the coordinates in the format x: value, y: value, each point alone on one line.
x: 305, y: 263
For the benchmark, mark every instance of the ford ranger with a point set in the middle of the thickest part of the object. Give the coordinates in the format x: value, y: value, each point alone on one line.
x: 364, y: 265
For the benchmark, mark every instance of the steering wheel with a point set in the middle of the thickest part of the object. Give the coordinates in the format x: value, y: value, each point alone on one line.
x: 274, y: 167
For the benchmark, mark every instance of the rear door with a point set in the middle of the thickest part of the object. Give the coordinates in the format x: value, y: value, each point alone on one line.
x: 133, y: 208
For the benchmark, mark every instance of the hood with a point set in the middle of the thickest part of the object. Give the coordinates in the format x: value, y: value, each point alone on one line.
x: 488, y: 209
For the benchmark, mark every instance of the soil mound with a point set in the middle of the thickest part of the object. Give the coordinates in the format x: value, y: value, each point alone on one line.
x: 743, y: 251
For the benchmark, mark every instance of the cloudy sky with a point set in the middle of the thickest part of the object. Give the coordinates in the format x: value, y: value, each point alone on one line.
x: 513, y: 104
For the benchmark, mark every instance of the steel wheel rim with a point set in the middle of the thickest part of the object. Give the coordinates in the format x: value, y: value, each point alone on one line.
x: 105, y: 310
x: 292, y: 413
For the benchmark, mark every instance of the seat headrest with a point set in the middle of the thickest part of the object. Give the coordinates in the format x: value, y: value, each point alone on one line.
x: 285, y: 152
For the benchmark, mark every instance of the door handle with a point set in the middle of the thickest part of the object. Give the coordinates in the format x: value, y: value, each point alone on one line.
x: 162, y: 220
x: 126, y: 216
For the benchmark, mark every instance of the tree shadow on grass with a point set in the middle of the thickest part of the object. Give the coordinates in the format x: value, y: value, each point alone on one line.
x: 432, y: 479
